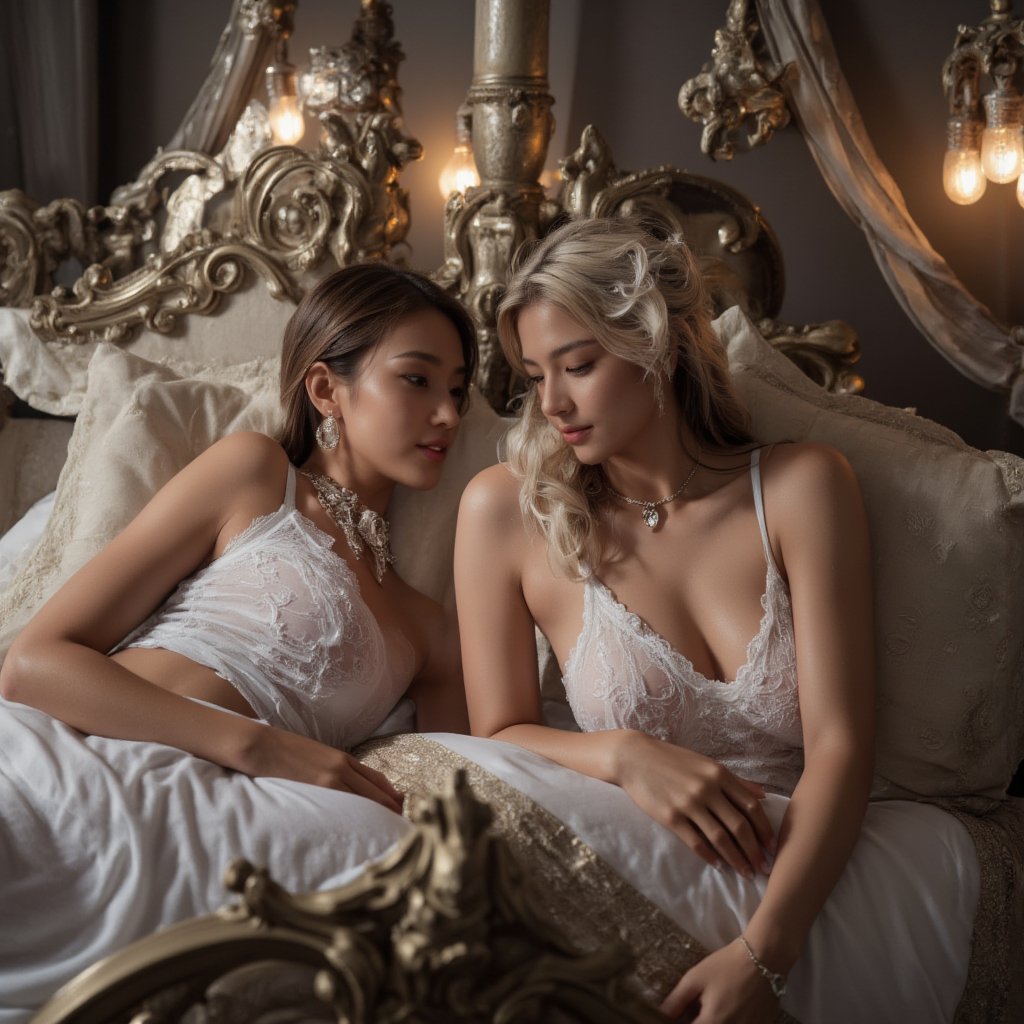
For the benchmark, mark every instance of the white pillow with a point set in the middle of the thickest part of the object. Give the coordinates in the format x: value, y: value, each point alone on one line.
x: 947, y: 534
x: 17, y: 543
x: 140, y: 423
x: 51, y: 376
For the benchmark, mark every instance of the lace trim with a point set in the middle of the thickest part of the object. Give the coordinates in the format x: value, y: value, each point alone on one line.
x: 589, y: 901
x: 648, y: 632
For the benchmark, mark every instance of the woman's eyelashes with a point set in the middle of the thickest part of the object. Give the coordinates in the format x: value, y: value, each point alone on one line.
x: 459, y: 393
x: 580, y: 370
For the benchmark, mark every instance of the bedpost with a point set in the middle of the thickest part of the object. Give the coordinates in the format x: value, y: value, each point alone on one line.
x: 510, y: 112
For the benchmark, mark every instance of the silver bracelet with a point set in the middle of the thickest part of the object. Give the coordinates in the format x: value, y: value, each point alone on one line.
x: 777, y: 981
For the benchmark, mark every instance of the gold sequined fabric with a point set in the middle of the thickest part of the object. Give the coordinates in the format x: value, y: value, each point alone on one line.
x: 994, y: 993
x: 585, y: 896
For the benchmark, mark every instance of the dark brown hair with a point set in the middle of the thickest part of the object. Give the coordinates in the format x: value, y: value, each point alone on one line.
x: 342, y: 319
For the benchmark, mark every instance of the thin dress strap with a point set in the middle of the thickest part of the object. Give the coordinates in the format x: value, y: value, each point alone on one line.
x: 755, y: 483
x: 289, y: 488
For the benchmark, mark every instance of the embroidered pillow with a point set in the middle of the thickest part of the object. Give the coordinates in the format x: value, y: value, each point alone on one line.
x: 947, y: 534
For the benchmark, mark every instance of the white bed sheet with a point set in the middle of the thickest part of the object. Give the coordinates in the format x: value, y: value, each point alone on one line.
x: 17, y: 543
x: 104, y: 841
x: 892, y: 944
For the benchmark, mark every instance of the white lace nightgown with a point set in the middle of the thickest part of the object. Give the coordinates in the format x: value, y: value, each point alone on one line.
x: 103, y: 841
x: 892, y: 943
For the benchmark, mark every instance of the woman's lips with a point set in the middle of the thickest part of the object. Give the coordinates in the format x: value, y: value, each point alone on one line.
x: 433, y: 452
x: 575, y: 435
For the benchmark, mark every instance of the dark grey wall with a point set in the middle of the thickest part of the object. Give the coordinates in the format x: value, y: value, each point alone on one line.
x: 619, y: 64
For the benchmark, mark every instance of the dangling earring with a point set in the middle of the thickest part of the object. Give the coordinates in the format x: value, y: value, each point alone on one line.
x: 327, y: 434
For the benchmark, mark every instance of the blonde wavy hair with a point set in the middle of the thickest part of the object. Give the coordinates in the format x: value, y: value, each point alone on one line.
x: 643, y: 299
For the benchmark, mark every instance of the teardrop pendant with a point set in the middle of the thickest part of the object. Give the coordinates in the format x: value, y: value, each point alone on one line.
x: 651, y: 517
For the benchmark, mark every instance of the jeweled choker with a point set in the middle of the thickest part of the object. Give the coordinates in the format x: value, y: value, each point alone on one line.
x: 363, y: 528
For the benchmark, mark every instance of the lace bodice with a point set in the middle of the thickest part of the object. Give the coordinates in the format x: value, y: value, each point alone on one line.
x: 279, y: 615
x: 623, y: 674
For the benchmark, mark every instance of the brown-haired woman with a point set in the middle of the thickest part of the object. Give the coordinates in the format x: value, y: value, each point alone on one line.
x: 248, y: 616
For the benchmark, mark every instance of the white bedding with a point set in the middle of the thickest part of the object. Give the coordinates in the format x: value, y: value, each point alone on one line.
x: 104, y: 841
x: 892, y: 944
x: 17, y: 543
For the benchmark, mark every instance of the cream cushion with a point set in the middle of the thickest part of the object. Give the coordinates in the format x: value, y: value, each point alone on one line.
x: 51, y: 376
x: 947, y: 534
x: 141, y: 422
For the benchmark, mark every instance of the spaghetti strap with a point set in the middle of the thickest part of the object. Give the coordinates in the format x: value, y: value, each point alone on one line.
x: 755, y: 482
x: 289, y: 488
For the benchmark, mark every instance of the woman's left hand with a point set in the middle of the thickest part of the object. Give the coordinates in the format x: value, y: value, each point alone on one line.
x: 723, y: 987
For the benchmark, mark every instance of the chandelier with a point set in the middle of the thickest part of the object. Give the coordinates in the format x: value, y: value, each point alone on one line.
x: 985, y: 131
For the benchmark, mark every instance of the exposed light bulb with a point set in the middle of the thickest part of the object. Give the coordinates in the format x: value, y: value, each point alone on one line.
x: 1002, y: 153
x: 286, y: 120
x: 1020, y: 190
x: 962, y: 177
x: 1002, y: 145
x: 459, y: 173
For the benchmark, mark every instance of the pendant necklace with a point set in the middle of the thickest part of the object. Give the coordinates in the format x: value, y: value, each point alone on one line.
x: 649, y: 509
x: 363, y: 528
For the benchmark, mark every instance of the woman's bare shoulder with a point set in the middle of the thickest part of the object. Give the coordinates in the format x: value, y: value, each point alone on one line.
x: 246, y: 454
x: 807, y: 468
x: 493, y: 494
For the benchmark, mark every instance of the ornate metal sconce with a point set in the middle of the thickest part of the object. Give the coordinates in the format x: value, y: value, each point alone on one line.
x: 736, y: 87
x: 989, y: 146
x: 273, y: 211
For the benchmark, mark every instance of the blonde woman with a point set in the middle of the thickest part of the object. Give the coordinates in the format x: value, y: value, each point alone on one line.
x: 709, y: 604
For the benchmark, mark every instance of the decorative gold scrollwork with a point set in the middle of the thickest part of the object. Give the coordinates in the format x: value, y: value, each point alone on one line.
x: 826, y: 352
x: 445, y: 927
x: 278, y: 212
x: 156, y: 296
x: 734, y: 88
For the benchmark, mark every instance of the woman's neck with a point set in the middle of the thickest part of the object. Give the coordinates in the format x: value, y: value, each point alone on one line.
x: 657, y: 463
x: 373, y: 490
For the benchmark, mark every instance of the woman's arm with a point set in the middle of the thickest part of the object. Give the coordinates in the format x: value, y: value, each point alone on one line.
x: 816, y: 515
x: 59, y: 663
x: 438, y: 689
x: 676, y: 786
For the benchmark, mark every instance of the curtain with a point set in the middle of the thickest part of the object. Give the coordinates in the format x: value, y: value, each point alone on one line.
x: 48, y: 97
x: 962, y: 329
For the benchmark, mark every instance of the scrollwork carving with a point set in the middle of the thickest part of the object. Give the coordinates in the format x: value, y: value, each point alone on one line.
x: 151, y: 258
x: 445, y: 927
x: 826, y: 352
x: 736, y: 87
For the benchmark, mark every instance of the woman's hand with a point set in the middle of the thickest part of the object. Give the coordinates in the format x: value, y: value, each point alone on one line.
x: 718, y: 815
x: 276, y: 753
x: 724, y: 988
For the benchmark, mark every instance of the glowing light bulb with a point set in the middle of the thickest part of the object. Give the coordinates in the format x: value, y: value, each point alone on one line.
x: 285, y: 114
x: 1020, y: 190
x: 1002, y: 153
x: 962, y: 177
x: 459, y: 173
x: 1002, y: 145
x: 286, y: 121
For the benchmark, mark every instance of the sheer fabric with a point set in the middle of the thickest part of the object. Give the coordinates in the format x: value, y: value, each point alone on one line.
x: 279, y: 615
x: 622, y: 674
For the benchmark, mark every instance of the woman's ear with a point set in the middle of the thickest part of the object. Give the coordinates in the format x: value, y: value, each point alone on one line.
x: 321, y: 383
